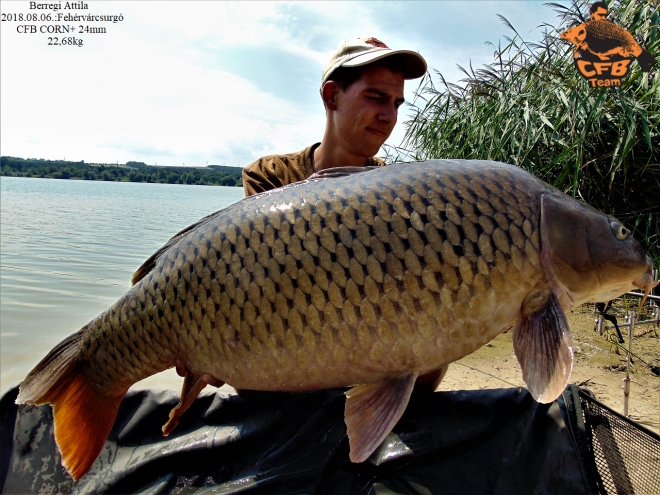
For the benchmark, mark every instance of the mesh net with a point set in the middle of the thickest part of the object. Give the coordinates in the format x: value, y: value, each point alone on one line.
x: 627, y: 455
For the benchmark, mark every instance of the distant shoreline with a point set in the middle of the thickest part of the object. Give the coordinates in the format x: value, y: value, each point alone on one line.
x: 213, y: 175
x: 74, y: 179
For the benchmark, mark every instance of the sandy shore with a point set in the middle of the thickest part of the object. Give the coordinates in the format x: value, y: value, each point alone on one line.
x: 598, y: 368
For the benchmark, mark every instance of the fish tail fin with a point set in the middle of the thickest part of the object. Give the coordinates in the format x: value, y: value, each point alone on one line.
x: 82, y: 415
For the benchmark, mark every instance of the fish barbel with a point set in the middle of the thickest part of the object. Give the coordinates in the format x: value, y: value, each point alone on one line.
x: 363, y: 278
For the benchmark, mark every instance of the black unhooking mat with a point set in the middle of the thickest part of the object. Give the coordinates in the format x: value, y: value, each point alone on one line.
x: 466, y: 442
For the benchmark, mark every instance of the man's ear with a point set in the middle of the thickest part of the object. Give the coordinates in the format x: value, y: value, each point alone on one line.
x: 329, y: 95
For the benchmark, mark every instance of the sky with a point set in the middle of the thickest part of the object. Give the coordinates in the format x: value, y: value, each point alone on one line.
x: 219, y: 83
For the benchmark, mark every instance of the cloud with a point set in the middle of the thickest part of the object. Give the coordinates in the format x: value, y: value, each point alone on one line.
x: 223, y: 82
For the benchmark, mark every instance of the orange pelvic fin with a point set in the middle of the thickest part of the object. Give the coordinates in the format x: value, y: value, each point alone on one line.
x: 82, y: 414
x: 372, y: 410
x: 193, y: 384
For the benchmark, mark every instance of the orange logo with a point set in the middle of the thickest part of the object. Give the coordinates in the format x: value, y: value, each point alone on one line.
x: 603, y: 51
x: 376, y: 42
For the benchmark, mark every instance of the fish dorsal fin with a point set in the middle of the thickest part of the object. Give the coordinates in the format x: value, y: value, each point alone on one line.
x: 149, y: 265
x: 543, y: 346
x: 328, y: 173
x: 372, y: 410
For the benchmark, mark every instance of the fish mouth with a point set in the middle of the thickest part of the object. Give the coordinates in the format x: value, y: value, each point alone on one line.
x: 646, y: 281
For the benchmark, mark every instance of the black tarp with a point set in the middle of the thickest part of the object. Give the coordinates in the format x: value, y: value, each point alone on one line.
x: 465, y: 442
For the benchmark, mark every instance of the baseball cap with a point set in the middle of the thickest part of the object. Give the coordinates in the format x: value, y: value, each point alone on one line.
x: 363, y: 51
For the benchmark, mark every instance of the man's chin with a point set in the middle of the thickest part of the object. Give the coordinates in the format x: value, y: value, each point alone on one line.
x: 372, y: 148
x: 367, y: 145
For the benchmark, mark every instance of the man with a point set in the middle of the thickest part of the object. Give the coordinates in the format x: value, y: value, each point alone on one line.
x: 598, y: 11
x: 362, y: 90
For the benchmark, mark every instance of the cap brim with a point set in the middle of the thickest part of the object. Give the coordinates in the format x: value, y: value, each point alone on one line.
x: 414, y: 63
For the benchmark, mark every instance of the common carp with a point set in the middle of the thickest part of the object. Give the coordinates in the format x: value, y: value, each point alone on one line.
x: 362, y: 278
x: 605, y: 39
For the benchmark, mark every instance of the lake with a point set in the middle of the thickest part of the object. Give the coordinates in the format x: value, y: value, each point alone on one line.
x: 68, y: 250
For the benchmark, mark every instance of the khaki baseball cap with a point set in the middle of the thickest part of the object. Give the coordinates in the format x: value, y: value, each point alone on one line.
x: 363, y: 51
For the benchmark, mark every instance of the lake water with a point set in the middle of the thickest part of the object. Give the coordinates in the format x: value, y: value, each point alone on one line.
x: 68, y: 250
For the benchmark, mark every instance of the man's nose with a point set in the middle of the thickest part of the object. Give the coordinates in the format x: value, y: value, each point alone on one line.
x: 388, y: 113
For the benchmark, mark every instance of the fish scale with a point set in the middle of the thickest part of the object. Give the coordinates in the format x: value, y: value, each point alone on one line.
x: 374, y: 279
x: 359, y: 278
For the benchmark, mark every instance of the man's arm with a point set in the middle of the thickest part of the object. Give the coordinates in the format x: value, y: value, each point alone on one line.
x: 260, y: 176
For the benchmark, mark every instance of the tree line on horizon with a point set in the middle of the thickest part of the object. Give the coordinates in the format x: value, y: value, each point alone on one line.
x: 213, y: 175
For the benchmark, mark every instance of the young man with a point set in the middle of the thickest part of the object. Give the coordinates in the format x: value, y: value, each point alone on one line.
x: 598, y: 11
x: 362, y: 90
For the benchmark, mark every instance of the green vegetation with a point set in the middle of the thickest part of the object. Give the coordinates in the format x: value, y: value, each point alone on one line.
x: 531, y: 108
x: 214, y: 175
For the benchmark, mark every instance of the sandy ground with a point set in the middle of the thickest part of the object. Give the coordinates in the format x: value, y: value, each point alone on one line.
x: 598, y: 367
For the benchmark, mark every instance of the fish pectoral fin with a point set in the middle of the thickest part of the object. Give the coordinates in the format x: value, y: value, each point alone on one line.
x: 544, y: 348
x: 192, y: 386
x: 372, y: 410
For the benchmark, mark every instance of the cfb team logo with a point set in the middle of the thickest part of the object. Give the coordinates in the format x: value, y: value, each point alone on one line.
x: 603, y: 50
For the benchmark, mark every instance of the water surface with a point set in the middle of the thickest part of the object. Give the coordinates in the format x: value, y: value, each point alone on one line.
x: 68, y: 250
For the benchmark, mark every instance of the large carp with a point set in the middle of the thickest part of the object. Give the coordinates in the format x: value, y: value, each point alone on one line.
x: 365, y: 279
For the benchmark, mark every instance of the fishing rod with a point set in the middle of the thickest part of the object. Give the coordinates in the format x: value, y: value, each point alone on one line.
x: 654, y: 369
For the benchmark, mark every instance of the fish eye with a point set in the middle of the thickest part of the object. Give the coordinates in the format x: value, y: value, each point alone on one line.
x: 621, y: 232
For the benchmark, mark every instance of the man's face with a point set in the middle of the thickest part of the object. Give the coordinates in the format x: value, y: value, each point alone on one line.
x: 367, y: 112
x: 599, y: 14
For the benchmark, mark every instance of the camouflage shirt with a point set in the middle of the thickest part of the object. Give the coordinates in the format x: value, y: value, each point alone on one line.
x: 275, y: 171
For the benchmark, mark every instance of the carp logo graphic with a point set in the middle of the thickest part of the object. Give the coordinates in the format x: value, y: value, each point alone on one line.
x: 603, y: 50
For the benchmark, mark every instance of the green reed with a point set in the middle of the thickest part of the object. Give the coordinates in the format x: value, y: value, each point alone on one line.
x: 530, y: 107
